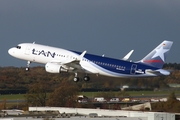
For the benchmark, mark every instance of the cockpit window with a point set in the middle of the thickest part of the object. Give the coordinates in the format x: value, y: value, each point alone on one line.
x: 18, y: 47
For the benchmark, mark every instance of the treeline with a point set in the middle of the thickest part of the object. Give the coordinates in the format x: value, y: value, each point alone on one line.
x: 175, y: 66
x: 13, y: 91
x: 14, y: 78
x: 24, y: 91
x: 114, y: 89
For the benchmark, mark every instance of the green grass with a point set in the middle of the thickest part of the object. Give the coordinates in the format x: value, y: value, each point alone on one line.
x: 12, y: 97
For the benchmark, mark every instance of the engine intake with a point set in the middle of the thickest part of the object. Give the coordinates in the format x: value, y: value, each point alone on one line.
x: 55, y: 68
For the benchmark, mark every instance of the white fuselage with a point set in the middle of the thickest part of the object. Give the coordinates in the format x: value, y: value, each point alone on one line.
x: 57, y: 60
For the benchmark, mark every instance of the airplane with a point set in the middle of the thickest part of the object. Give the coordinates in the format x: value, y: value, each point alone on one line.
x: 59, y: 60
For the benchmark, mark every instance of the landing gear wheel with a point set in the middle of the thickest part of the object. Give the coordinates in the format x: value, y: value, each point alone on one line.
x: 28, y: 65
x: 76, y: 79
x: 86, y: 78
x: 27, y: 69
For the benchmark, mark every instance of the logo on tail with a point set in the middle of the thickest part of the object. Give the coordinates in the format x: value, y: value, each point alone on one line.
x: 157, y: 57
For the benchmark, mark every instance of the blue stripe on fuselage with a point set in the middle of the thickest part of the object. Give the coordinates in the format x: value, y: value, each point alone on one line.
x: 115, y: 65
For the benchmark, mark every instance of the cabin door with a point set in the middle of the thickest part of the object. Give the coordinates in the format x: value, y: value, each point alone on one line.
x: 28, y: 50
x: 133, y: 69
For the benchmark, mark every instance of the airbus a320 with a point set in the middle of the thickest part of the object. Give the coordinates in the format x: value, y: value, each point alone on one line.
x: 59, y: 60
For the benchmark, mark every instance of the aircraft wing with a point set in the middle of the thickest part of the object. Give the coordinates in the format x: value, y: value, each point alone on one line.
x: 73, y: 65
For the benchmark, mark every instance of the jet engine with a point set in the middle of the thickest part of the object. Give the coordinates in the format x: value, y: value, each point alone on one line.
x: 55, y: 68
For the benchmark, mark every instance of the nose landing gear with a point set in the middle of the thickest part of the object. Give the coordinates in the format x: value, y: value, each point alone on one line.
x: 28, y: 65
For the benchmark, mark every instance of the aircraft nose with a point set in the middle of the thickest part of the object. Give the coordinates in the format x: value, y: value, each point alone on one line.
x: 11, y: 51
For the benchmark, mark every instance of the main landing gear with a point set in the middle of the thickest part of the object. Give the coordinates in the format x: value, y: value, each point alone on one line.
x: 76, y: 78
x: 86, y: 78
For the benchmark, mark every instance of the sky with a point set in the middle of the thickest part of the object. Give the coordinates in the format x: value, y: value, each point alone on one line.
x: 110, y: 27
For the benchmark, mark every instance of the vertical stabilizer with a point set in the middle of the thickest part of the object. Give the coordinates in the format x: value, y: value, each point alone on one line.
x: 157, y: 57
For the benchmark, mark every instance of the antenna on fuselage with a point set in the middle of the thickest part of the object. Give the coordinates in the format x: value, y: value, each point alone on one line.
x: 34, y: 42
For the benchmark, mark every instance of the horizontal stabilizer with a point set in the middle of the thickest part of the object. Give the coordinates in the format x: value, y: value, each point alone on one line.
x: 158, y: 72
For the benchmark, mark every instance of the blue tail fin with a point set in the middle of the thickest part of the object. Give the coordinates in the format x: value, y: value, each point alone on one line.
x: 157, y: 57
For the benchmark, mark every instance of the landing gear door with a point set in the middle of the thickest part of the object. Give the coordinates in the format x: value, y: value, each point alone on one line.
x: 28, y: 50
x: 133, y: 69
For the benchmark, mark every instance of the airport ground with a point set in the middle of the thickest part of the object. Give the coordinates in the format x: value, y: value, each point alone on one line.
x: 161, y: 93
x: 64, y: 113
x: 18, y: 98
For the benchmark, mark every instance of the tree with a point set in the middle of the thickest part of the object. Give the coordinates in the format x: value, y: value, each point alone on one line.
x: 172, y: 97
x: 64, y: 96
x: 3, y: 104
x: 171, y: 101
x: 37, y: 94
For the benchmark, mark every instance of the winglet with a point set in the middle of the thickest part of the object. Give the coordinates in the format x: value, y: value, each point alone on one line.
x: 128, y: 55
x: 81, y: 56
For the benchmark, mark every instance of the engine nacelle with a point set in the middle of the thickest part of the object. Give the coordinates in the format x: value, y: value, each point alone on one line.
x: 54, y: 68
